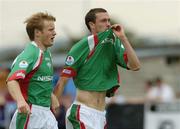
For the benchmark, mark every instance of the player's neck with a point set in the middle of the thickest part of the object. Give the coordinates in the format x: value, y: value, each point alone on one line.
x: 93, y: 32
x: 40, y: 45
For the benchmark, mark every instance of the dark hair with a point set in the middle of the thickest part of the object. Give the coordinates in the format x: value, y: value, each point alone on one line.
x: 149, y: 82
x: 91, y: 16
x: 36, y: 21
x: 158, y: 79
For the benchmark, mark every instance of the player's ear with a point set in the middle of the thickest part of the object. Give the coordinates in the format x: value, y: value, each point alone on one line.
x: 36, y: 32
x: 91, y: 25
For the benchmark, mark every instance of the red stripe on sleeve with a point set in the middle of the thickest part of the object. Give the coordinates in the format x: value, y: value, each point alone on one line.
x: 20, y: 74
x: 68, y: 72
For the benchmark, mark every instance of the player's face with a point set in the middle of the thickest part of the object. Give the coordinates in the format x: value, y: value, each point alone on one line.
x: 48, y: 34
x: 102, y: 22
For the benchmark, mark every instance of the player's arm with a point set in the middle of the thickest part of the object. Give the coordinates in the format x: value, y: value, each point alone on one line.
x: 15, y: 92
x: 133, y: 61
x: 54, y: 103
x: 74, y: 60
x: 20, y: 67
x: 60, y: 86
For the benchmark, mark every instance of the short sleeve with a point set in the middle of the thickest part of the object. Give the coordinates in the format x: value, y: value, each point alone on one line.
x: 22, y: 65
x: 75, y: 58
x: 121, y: 55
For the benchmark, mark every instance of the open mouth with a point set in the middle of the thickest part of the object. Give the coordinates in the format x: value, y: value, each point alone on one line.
x: 52, y: 38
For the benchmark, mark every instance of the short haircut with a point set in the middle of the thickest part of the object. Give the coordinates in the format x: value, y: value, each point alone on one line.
x: 36, y: 21
x: 91, y: 16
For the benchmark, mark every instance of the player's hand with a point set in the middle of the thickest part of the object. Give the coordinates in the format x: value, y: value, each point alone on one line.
x: 118, y: 30
x: 23, y: 107
x: 54, y: 103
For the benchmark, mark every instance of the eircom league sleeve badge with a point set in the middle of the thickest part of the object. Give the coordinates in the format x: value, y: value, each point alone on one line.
x: 69, y: 60
x: 23, y: 64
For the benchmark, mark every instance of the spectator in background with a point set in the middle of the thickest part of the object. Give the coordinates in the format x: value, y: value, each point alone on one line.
x: 160, y: 92
x: 148, y: 88
x: 116, y: 99
x: 7, y: 104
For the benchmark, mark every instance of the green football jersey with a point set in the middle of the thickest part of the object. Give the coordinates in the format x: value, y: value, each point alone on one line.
x: 92, y: 62
x: 34, y: 70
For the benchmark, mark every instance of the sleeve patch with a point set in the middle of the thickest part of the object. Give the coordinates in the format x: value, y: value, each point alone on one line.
x: 69, y: 60
x: 23, y: 64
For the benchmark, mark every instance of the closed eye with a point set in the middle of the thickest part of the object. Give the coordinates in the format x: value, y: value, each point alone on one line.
x: 105, y: 20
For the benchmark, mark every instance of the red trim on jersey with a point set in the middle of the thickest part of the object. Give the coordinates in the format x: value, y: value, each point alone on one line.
x: 24, y: 83
x: 105, y: 126
x: 90, y: 54
x: 125, y: 57
x: 27, y: 120
x: 115, y: 89
x: 95, y: 40
x: 95, y: 44
x: 68, y: 72
x: 15, y: 75
x: 82, y: 126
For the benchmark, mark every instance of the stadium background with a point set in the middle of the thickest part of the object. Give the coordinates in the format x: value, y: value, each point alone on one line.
x: 153, y: 27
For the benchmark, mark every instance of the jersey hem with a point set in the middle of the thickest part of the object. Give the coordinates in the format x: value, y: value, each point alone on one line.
x: 100, y: 89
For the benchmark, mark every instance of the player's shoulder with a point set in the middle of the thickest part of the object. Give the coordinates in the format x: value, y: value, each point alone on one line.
x: 80, y: 44
x: 31, y: 49
x: 82, y: 41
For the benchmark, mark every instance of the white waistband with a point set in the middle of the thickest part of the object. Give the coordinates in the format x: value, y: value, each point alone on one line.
x: 90, y: 108
x: 40, y: 107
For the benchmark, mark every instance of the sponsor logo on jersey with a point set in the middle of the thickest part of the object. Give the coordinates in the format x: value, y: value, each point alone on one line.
x: 21, y: 74
x: 45, y: 78
x: 47, y: 59
x: 107, y: 40
x: 49, y: 64
x: 23, y: 64
x: 69, y: 60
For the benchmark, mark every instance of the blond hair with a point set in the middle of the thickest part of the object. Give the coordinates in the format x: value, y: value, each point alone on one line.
x: 36, y: 21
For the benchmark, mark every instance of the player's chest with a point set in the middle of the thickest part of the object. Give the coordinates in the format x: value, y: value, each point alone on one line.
x: 46, y: 66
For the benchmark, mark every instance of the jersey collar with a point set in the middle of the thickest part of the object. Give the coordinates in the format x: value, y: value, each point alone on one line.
x: 34, y: 43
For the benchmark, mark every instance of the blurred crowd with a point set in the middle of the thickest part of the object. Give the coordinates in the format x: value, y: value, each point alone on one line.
x: 155, y: 91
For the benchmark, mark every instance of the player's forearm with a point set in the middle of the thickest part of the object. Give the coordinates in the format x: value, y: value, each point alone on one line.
x: 14, y: 90
x: 133, y: 61
x: 54, y: 102
x: 60, y: 86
